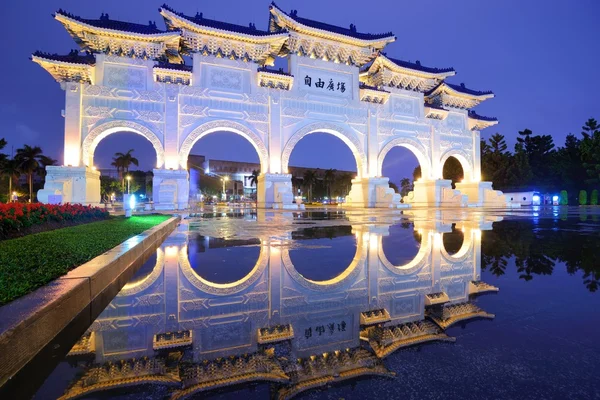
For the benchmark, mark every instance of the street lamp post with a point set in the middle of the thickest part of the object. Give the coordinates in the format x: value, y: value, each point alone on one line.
x: 128, y: 180
x: 225, y: 179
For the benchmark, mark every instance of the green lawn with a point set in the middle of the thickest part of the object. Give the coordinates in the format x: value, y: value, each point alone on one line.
x: 31, y: 261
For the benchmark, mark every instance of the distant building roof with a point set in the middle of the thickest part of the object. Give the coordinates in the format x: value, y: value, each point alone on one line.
x: 106, y: 23
x: 73, y: 57
x: 351, y: 31
x: 199, y: 19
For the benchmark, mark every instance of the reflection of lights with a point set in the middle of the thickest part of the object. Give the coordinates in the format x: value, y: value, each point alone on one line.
x: 171, y: 251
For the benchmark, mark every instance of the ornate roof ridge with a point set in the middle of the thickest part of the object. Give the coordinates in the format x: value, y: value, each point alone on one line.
x: 474, y: 115
x: 73, y: 57
x: 105, y: 23
x: 279, y: 71
x: 463, y: 89
x: 435, y: 105
x: 417, y: 66
x: 350, y: 32
x: 199, y: 19
x: 174, y: 66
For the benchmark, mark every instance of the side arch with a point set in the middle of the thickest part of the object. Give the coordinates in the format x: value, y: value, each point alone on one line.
x: 228, y: 126
x: 95, y: 136
x: 414, y: 146
x: 346, y: 135
x: 415, y: 265
x: 463, y: 157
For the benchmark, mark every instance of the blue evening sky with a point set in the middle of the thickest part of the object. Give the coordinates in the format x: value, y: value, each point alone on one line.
x: 540, y: 58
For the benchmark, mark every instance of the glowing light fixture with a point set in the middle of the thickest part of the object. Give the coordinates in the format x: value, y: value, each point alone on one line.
x: 536, y: 198
x: 554, y: 198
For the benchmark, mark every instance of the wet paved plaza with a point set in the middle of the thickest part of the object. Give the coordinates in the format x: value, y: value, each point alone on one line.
x: 418, y: 304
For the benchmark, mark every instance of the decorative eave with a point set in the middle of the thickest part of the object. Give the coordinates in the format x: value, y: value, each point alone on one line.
x: 228, y: 41
x: 275, y: 79
x: 326, y: 44
x: 456, y: 96
x: 433, y: 299
x: 386, y: 340
x: 384, y: 71
x: 329, y: 368
x: 173, y: 73
x: 448, y: 315
x: 479, y: 287
x: 77, y: 69
x: 372, y: 94
x: 479, y: 122
x: 374, y: 317
x: 279, y: 19
x: 275, y: 334
x: 84, y: 346
x: 172, y: 340
x: 121, y: 42
x: 435, y: 111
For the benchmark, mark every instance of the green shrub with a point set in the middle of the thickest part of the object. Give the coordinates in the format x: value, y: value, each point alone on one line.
x: 594, y: 198
x: 564, y: 198
x: 582, y: 197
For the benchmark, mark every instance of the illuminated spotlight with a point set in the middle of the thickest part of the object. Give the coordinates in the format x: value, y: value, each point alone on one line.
x: 554, y: 198
x: 536, y: 198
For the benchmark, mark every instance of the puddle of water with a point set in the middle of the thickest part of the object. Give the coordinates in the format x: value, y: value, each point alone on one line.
x: 277, y: 309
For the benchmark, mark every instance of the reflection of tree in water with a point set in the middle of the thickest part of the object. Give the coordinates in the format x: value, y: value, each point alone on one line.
x: 322, y: 232
x: 537, y: 247
x: 453, y: 241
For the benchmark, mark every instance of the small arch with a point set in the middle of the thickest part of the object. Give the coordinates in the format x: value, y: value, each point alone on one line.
x: 346, y: 135
x: 95, y: 136
x: 414, y: 146
x: 229, y: 126
x: 461, y: 253
x: 463, y: 157
x: 137, y: 287
x: 415, y: 265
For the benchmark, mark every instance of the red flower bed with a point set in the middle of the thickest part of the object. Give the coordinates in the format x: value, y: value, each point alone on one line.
x: 15, y: 217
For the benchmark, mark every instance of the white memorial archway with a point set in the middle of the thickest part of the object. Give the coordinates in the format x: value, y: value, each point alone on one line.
x: 131, y: 77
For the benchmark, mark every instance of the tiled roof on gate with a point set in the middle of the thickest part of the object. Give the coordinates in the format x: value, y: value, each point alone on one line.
x: 273, y: 71
x: 178, y: 67
x: 73, y: 57
x: 417, y: 66
x: 351, y: 31
x: 105, y: 23
x: 461, y: 88
x: 474, y: 115
x: 199, y: 19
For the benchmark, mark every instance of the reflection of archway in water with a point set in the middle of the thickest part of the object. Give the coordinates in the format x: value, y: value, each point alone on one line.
x: 146, y: 275
x: 455, y: 244
x: 413, y: 265
x: 222, y: 261
x: 230, y: 285
x: 331, y: 259
x: 402, y: 244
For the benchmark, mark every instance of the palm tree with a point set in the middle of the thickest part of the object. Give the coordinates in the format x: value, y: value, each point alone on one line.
x: 28, y: 158
x: 309, y: 180
x: 44, y: 162
x: 126, y: 159
x: 10, y: 169
x: 254, y: 181
x: 329, y: 178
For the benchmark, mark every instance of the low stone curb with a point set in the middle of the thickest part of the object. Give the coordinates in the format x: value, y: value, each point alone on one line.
x: 31, y: 322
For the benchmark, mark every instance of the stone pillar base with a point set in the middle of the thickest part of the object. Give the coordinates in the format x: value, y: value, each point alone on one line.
x: 435, y: 193
x: 275, y: 191
x: 373, y: 192
x: 170, y: 189
x: 482, y: 194
x: 75, y: 185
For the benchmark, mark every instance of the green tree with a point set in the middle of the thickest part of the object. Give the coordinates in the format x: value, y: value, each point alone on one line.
x: 11, y: 170
x: 416, y: 173
x: 590, y: 150
x: 564, y: 198
x: 254, y: 181
x: 582, y: 197
x: 495, y: 161
x: 519, y: 171
x: 28, y: 158
x: 394, y: 186
x: 405, y: 186
x: 594, y: 198
x: 309, y: 179
x: 126, y: 159
x: 329, y: 179
x: 453, y: 170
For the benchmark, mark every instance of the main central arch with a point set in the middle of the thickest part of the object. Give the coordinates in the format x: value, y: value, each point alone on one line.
x: 132, y: 77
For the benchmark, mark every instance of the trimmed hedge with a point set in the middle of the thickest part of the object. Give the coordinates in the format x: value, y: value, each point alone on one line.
x: 32, y: 261
x: 594, y: 198
x: 564, y: 198
x: 15, y: 217
x: 582, y: 197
